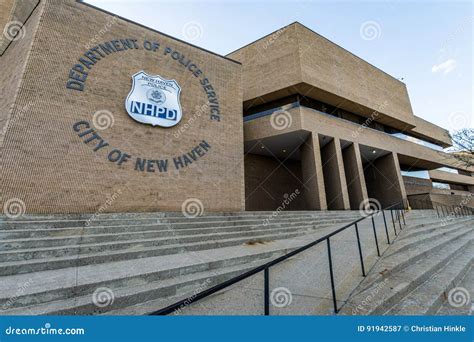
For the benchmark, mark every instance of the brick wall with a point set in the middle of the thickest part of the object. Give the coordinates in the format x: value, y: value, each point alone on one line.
x: 50, y: 168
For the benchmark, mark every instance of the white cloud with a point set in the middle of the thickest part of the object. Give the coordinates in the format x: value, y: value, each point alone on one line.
x: 445, y: 67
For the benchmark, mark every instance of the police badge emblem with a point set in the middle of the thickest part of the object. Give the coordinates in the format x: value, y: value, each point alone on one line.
x: 154, y: 100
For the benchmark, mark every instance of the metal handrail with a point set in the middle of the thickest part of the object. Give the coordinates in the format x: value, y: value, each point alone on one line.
x: 443, y: 210
x: 399, y: 208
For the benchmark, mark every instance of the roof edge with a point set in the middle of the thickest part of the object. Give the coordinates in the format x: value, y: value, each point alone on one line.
x: 316, y: 33
x: 265, y: 36
x: 156, y: 31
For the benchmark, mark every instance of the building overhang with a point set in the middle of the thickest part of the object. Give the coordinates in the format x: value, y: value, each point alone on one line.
x: 307, y: 90
x: 295, y: 59
x: 450, y: 178
x: 305, y: 119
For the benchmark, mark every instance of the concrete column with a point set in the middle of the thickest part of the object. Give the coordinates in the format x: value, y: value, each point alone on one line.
x: 354, y: 175
x: 401, y: 183
x: 470, y: 188
x: 312, y: 174
x: 384, y: 180
x: 335, y: 183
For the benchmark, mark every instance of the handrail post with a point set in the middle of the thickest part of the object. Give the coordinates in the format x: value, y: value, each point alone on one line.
x: 333, y: 288
x: 266, y: 280
x: 399, y: 222
x: 386, y: 229
x: 375, y: 235
x: 437, y: 212
x: 393, y: 222
x: 360, y: 250
x: 403, y: 217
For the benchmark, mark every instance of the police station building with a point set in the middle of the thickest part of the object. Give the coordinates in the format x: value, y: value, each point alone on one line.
x: 101, y: 113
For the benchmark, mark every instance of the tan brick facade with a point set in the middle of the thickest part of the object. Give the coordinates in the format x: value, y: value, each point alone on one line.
x: 48, y: 165
x: 68, y: 144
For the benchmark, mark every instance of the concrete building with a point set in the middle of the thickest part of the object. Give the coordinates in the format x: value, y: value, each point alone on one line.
x: 163, y: 169
x: 291, y: 113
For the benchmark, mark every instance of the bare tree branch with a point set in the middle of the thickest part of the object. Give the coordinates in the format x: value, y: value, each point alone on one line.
x: 463, y: 146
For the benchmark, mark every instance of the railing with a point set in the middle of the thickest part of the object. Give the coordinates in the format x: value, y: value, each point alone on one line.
x: 443, y: 210
x: 397, y: 216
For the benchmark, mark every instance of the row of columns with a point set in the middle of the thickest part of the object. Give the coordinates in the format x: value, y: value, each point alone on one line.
x: 335, y: 178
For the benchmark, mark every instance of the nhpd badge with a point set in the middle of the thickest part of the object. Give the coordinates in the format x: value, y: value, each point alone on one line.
x: 154, y: 100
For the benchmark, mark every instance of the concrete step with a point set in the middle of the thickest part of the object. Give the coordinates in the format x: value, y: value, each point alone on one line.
x: 460, y: 297
x: 427, y: 298
x: 85, y: 280
x: 181, y: 286
x: 179, y: 225
x: 165, y: 237
x: 414, y: 241
x: 43, y: 260
x: 395, y: 276
x: 417, y: 250
x: 412, y: 277
x: 229, y: 226
x: 169, y: 214
x: 428, y: 227
x: 79, y: 249
x: 59, y: 223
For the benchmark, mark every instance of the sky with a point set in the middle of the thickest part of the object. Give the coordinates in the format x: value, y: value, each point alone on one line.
x: 428, y: 44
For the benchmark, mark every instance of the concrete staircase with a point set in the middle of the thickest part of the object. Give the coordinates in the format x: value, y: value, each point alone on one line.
x: 134, y: 264
x: 425, y: 240
x: 66, y: 264
x: 416, y: 274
